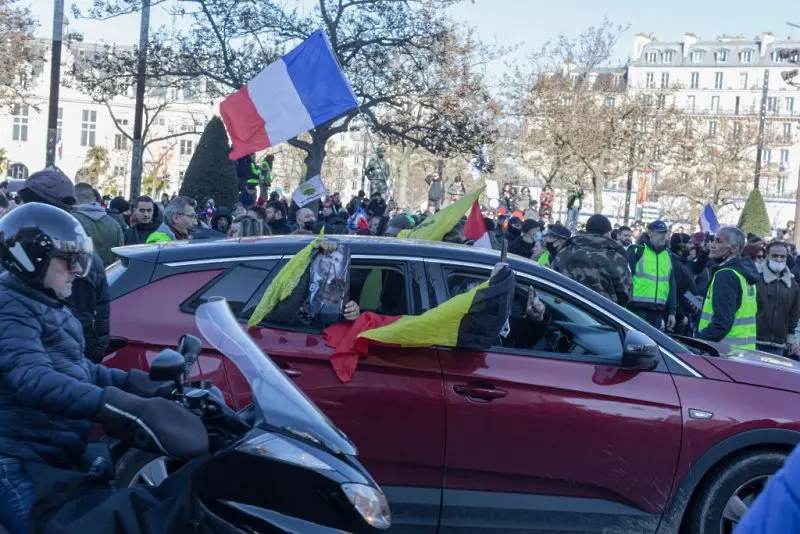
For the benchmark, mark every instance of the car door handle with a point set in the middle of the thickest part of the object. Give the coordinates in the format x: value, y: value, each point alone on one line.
x: 288, y: 371
x: 478, y: 392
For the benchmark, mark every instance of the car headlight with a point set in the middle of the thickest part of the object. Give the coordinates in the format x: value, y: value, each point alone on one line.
x: 278, y: 448
x: 371, y: 503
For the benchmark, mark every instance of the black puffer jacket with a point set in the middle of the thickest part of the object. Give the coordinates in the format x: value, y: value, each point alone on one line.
x: 91, y: 305
x: 49, y: 392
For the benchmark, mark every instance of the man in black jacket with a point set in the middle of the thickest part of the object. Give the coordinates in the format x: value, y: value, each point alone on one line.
x: 90, y: 298
x: 679, y: 247
x: 148, y: 219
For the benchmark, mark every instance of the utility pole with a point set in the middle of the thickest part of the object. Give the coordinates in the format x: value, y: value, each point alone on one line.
x: 761, y: 123
x: 55, y: 82
x: 629, y: 184
x: 138, y: 114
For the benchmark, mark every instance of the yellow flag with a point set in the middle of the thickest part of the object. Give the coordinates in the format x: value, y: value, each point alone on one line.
x: 438, y: 225
x: 285, y: 282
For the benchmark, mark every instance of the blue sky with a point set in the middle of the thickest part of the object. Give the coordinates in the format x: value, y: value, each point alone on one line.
x: 533, y: 22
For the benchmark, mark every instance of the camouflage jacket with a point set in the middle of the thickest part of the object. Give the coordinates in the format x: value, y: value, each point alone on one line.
x: 599, y: 263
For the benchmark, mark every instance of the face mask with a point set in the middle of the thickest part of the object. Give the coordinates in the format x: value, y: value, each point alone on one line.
x: 308, y: 225
x: 538, y: 236
x: 776, y: 266
x: 551, y: 248
x: 223, y: 226
x: 514, y: 231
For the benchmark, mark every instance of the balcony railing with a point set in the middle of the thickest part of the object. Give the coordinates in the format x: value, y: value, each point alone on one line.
x: 744, y: 111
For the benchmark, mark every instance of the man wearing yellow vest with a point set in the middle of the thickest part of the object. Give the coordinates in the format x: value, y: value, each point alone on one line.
x: 654, y: 285
x: 730, y: 307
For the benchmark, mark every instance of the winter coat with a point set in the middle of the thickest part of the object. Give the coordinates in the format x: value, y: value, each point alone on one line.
x: 246, y: 199
x: 221, y: 212
x: 435, y: 189
x: 520, y: 247
x: 727, y: 295
x: 90, y: 303
x: 684, y: 281
x: 778, y: 298
x: 139, y: 232
x: 50, y: 392
x: 117, y: 216
x: 597, y: 262
x: 279, y: 227
x: 105, y: 232
x: 776, y: 510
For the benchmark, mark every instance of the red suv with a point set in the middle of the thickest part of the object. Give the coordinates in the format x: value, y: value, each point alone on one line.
x: 569, y: 435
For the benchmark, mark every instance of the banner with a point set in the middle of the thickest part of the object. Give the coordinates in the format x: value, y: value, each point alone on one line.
x: 309, y: 191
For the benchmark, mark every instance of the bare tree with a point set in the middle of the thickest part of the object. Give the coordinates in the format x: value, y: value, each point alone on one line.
x: 385, y: 47
x: 18, y: 52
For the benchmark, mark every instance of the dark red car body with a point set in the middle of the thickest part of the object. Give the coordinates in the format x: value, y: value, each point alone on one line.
x: 499, y: 441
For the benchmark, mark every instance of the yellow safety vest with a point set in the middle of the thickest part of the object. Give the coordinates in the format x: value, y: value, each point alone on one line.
x: 743, y: 331
x: 651, y: 277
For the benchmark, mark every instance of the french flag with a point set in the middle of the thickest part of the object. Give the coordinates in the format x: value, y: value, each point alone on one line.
x: 475, y: 228
x: 303, y: 89
x: 708, y: 220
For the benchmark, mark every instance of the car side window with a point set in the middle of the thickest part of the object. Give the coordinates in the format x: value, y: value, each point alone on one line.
x: 379, y: 288
x: 565, y: 330
x: 238, y: 286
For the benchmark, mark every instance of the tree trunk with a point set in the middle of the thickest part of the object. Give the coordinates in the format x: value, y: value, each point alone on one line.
x: 315, y: 154
x: 597, y: 185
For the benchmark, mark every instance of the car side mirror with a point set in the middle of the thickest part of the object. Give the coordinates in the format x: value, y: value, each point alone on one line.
x: 167, y: 366
x: 639, y: 352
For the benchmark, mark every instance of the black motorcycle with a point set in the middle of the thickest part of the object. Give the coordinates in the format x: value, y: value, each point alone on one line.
x: 279, y: 466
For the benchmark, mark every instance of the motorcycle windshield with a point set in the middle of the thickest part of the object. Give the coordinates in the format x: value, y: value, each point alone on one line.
x: 282, y: 403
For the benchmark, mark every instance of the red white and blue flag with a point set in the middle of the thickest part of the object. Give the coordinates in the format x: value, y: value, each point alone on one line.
x: 708, y: 220
x: 300, y: 91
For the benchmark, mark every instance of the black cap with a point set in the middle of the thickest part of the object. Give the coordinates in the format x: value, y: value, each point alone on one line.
x: 559, y: 230
x: 598, y: 224
x: 514, y: 221
x: 658, y: 227
x: 529, y: 225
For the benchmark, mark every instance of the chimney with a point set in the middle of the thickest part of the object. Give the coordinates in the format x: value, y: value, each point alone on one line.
x: 766, y: 40
x: 689, y: 40
x: 640, y: 40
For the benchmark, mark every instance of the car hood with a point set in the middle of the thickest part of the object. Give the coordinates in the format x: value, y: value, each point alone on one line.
x: 756, y: 368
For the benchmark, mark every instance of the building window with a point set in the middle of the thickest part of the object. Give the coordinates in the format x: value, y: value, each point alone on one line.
x: 661, y: 101
x: 186, y: 147
x: 123, y: 122
x: 88, y: 127
x: 721, y: 56
x: 790, y: 104
x: 776, y: 57
x: 161, y: 121
x: 772, y: 104
x: 712, y: 128
x: 120, y: 142
x: 766, y: 156
x: 746, y: 56
x: 651, y: 57
x: 787, y: 130
x: 715, y: 104
x: 650, y: 81
x: 743, y: 80
x: 610, y: 102
x: 695, y: 80
x: 737, y: 129
x: 784, y: 157
x: 718, y: 80
x: 17, y: 171
x: 20, y: 129
x: 59, y: 124
x: 697, y: 56
x: 119, y: 170
x: 664, y: 80
x: 666, y: 57
x: 690, y: 102
x: 181, y: 174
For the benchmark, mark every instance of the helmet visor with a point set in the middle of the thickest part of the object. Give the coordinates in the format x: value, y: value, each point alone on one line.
x: 76, y: 253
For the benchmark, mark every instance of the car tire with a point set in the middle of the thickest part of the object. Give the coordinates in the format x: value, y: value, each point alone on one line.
x: 735, y: 483
x: 140, y: 467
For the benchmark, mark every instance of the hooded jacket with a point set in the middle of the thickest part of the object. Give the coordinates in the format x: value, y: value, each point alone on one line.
x: 684, y: 281
x: 139, y: 232
x: 221, y: 212
x: 105, y: 232
x: 50, y: 392
x: 597, y: 262
x: 727, y: 295
x: 778, y: 298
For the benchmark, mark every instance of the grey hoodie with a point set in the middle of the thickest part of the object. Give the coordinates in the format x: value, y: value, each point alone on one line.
x: 105, y: 232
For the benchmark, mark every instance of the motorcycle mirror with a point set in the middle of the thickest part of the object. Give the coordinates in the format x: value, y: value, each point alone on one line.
x: 189, y: 346
x: 168, y: 365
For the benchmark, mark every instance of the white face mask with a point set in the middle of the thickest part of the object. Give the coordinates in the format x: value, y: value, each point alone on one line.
x: 776, y: 266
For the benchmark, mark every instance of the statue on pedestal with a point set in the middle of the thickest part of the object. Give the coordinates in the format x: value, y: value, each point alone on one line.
x: 377, y: 172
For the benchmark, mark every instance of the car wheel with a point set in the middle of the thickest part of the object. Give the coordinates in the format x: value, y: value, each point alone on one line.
x: 730, y: 492
x: 138, y: 467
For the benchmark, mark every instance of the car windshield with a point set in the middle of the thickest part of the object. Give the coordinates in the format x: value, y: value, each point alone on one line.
x: 281, y: 403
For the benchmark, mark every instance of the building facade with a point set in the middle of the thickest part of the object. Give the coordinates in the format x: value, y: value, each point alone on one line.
x: 724, y: 80
x: 177, y: 115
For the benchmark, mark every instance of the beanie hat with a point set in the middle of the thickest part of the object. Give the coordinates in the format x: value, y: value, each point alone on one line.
x: 598, y: 224
x: 122, y: 205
